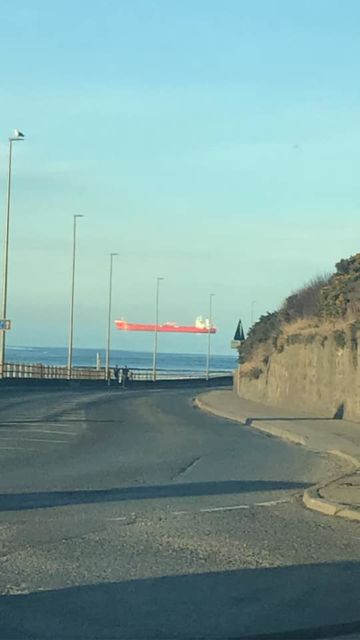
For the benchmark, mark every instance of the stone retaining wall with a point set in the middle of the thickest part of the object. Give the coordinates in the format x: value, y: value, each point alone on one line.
x: 313, y: 373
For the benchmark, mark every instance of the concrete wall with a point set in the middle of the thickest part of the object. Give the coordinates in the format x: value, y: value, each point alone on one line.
x: 315, y: 374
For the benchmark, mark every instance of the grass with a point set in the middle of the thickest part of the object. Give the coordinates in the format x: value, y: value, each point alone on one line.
x: 316, y: 326
x: 258, y: 361
x: 311, y: 326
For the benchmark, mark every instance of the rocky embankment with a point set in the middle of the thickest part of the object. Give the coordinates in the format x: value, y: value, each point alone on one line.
x: 306, y: 356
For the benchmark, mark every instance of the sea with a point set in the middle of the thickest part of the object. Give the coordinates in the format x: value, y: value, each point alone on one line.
x: 186, y: 362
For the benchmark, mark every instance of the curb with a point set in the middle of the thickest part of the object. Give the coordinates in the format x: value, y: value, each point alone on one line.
x: 311, y: 498
x: 200, y: 404
x: 277, y: 432
x: 266, y: 427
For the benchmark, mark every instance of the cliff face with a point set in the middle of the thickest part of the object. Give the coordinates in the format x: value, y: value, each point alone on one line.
x: 309, y: 372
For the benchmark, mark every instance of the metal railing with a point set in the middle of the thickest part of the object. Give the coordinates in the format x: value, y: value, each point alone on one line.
x: 173, y: 374
x: 39, y: 371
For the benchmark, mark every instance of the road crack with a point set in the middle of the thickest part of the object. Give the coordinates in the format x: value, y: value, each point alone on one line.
x: 187, y: 468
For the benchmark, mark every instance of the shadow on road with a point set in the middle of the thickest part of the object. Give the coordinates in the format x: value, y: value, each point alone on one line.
x: 42, y: 499
x: 300, y: 602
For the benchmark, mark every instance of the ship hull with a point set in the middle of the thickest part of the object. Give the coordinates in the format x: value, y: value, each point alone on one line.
x: 161, y: 328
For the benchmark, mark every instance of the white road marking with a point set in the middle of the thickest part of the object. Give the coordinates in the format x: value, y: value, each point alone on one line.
x: 269, y: 503
x: 213, y: 509
x: 26, y: 429
x: 17, y: 437
x: 21, y: 434
x: 64, y: 433
x: 24, y: 422
x: 18, y: 448
x: 181, y: 513
x: 233, y: 508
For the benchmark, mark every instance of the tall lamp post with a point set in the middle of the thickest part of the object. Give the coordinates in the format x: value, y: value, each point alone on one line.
x: 211, y: 295
x: 158, y: 280
x: 71, y: 325
x: 15, y: 138
x: 107, y: 364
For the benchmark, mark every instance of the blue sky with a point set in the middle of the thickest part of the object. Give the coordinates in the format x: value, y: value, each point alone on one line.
x: 216, y: 144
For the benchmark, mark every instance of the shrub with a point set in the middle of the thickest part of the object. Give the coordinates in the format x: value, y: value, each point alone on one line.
x: 306, y: 301
x: 255, y: 373
x: 342, y: 294
x: 340, y: 338
x: 268, y: 326
x: 343, y: 266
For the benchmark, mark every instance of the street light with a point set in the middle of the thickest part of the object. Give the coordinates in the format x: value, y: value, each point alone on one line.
x: 71, y: 327
x: 211, y: 295
x: 253, y: 303
x: 158, y: 280
x: 15, y: 138
x: 107, y: 365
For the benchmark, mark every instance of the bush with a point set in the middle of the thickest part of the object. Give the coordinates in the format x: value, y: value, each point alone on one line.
x: 342, y: 295
x: 306, y: 301
x: 255, y: 373
x: 343, y: 266
x: 340, y: 338
x: 268, y: 326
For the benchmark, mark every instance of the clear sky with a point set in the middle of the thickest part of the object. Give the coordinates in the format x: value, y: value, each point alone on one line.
x: 214, y: 143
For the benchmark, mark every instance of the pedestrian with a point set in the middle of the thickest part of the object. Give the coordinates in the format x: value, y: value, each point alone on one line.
x: 124, y: 375
x: 117, y: 373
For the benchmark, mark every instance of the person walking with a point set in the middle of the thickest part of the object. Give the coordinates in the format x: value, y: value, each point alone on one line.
x: 117, y: 373
x: 125, y: 375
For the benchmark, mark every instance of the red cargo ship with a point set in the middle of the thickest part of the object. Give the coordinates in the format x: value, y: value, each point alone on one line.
x: 200, y: 326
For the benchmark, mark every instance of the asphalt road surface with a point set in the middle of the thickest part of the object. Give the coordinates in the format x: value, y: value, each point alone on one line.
x: 134, y: 515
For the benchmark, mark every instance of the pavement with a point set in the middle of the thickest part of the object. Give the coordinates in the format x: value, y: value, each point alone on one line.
x: 339, y: 496
x: 133, y: 515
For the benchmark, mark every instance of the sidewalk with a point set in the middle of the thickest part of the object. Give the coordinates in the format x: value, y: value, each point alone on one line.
x: 341, y: 496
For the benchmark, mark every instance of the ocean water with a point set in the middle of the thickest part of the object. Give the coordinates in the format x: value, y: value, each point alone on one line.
x: 133, y: 359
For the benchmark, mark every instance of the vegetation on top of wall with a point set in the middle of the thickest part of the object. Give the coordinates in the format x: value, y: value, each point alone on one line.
x: 341, y: 296
x: 304, y: 302
x: 266, y: 328
x: 325, y: 300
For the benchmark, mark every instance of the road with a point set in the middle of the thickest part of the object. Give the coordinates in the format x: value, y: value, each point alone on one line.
x: 133, y: 515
